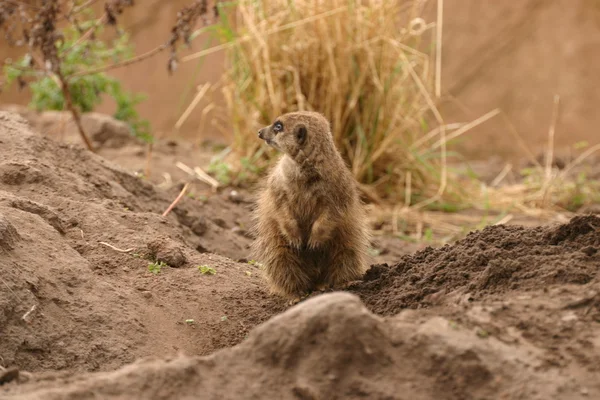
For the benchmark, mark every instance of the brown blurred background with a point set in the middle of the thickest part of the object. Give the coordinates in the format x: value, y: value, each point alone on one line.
x: 511, y: 55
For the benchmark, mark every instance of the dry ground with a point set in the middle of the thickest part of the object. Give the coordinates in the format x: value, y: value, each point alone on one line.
x: 507, y: 312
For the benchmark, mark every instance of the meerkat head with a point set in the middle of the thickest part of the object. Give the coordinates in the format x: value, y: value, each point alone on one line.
x: 296, y: 133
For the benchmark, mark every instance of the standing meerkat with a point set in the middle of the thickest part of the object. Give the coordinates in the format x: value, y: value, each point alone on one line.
x: 310, y: 225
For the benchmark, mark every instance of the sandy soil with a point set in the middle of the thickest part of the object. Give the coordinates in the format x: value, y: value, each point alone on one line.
x: 507, y: 312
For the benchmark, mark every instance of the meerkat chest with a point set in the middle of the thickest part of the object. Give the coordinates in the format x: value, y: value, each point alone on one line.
x: 306, y: 203
x: 305, y: 196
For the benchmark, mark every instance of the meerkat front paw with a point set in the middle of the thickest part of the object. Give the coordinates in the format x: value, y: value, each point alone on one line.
x: 314, y: 242
x: 294, y: 301
x: 322, y: 287
x: 319, y: 234
x: 292, y: 233
x: 297, y: 298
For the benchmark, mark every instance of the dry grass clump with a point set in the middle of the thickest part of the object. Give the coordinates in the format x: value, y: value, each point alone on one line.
x: 373, y: 69
x: 357, y: 62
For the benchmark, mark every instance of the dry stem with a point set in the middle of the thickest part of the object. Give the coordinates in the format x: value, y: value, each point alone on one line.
x: 65, y: 89
x: 123, y: 63
x: 174, y: 203
x: 116, y: 248
x: 438, y: 48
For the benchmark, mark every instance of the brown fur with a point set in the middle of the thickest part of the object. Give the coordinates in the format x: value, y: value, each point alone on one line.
x: 310, y: 225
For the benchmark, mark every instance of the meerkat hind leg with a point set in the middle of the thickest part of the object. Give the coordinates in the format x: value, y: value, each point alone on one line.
x: 286, y: 274
x: 346, y: 267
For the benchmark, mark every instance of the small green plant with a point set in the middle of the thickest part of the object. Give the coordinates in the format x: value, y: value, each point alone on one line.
x: 250, y: 167
x: 579, y: 192
x: 77, y: 55
x: 206, y: 270
x: 569, y: 191
x: 581, y: 145
x: 221, y: 170
x: 428, y: 235
x: 482, y: 333
x: 155, y: 267
x: 374, y: 252
x: 66, y: 58
x: 256, y: 264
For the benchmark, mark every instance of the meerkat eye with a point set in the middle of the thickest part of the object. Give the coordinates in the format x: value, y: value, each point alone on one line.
x: 277, y: 126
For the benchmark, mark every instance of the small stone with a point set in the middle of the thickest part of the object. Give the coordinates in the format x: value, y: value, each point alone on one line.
x: 146, y: 294
x: 235, y: 197
x: 571, y: 316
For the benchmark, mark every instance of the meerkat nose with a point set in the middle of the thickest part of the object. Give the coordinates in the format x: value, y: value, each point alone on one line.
x: 260, y: 132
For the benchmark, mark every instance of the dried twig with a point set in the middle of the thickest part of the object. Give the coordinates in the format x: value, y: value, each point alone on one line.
x: 123, y: 63
x: 116, y: 248
x: 28, y: 313
x: 174, y: 203
x: 199, y: 174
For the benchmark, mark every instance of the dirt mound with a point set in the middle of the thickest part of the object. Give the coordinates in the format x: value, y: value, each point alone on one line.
x: 331, y: 347
x: 77, y: 235
x: 495, y: 260
x: 39, y: 168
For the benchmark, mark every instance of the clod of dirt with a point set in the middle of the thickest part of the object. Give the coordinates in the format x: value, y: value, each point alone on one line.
x: 8, y: 234
x: 167, y: 251
x: 495, y: 260
x: 329, y: 347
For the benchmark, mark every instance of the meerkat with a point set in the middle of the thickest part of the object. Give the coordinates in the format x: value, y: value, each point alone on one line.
x: 310, y: 226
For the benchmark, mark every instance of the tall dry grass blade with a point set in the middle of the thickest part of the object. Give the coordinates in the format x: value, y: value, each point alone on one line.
x: 202, y: 89
x: 551, y: 132
x: 582, y: 157
x: 467, y: 127
x: 500, y: 177
x: 438, y: 53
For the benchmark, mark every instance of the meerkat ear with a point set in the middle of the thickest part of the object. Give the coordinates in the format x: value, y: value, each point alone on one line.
x: 300, y: 133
